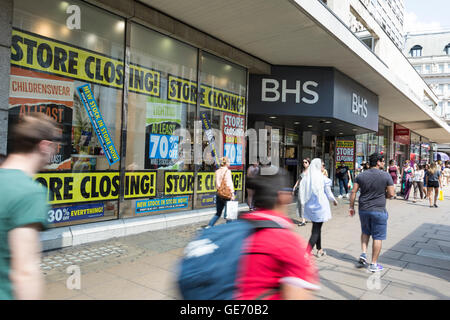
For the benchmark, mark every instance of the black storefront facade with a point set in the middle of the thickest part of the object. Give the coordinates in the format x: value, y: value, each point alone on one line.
x: 318, y: 112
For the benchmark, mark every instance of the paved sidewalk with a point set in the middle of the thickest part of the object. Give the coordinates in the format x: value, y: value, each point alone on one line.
x: 415, y: 257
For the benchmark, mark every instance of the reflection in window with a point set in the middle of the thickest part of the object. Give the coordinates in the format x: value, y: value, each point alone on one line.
x: 416, y: 51
x: 447, y: 49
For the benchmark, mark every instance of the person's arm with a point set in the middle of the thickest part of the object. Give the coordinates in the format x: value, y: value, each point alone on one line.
x: 349, y: 175
x: 230, y: 182
x: 352, y: 198
x: 289, y: 292
x: 330, y: 194
x: 26, y: 278
x: 390, y: 192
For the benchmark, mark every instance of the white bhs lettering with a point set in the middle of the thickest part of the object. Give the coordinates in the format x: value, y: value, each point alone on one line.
x: 271, y: 86
x: 359, y: 105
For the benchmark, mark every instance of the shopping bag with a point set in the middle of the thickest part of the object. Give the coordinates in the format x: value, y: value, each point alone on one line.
x: 441, y: 195
x: 350, y: 185
x: 231, y: 210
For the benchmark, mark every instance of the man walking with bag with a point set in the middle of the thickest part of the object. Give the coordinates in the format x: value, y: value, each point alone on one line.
x: 225, y: 189
x: 343, y: 175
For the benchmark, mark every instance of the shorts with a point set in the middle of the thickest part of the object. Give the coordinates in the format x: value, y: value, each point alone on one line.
x: 433, y: 184
x: 374, y: 224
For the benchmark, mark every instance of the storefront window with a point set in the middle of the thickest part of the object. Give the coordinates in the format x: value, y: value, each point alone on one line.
x: 380, y: 137
x: 425, y: 152
x: 222, y: 96
x: 74, y: 75
x: 161, y: 113
x: 415, y: 148
x: 372, y: 143
x: 361, y: 150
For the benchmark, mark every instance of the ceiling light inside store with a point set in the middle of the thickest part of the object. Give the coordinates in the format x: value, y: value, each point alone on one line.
x: 326, y: 130
x: 120, y: 26
x: 166, y: 44
x: 91, y: 39
x: 64, y: 31
x: 63, y: 5
x: 327, y: 122
x: 45, y: 29
x: 341, y: 133
x: 227, y: 67
x: 272, y: 117
x: 296, y: 122
x: 309, y: 126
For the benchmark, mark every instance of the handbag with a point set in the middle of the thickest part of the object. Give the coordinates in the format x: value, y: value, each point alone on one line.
x: 441, y: 195
x: 231, y: 210
x: 224, y: 191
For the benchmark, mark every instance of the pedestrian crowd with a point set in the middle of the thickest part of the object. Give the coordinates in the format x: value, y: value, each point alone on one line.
x: 257, y: 255
x: 426, y: 179
x: 275, y: 263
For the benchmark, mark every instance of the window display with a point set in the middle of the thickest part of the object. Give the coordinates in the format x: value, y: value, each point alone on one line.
x: 128, y: 121
x: 223, y: 106
x: 76, y: 77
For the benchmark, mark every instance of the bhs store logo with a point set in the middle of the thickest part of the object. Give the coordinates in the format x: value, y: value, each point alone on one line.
x: 271, y: 86
x: 359, y: 105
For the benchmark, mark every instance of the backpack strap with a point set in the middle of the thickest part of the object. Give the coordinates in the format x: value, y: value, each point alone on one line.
x: 268, y: 293
x: 264, y: 224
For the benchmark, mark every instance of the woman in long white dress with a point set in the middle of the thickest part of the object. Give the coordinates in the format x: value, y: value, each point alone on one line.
x: 315, y: 196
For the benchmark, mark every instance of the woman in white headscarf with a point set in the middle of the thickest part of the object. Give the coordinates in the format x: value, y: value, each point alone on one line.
x: 315, y: 194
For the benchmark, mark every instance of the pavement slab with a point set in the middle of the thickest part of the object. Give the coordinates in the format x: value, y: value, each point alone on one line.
x: 415, y: 258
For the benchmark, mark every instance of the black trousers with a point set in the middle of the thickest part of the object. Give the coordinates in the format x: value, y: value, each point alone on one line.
x: 315, y: 239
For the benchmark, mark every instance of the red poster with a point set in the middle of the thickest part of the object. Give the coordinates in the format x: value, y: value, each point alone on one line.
x: 32, y: 91
x: 401, y: 134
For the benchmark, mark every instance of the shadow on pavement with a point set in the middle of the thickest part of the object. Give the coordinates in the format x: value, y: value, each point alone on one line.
x: 426, y: 250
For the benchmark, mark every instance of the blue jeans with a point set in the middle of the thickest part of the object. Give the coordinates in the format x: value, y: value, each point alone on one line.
x: 343, y: 184
x: 220, y: 204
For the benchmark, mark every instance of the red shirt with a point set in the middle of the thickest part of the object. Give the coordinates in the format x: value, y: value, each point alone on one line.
x: 273, y: 257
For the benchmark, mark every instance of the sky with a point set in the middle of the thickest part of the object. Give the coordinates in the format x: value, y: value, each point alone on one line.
x: 426, y: 15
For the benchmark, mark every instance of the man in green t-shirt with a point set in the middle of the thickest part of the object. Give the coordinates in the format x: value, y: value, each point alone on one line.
x: 23, y: 207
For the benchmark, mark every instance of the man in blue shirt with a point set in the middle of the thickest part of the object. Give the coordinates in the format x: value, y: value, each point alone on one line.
x: 375, y: 186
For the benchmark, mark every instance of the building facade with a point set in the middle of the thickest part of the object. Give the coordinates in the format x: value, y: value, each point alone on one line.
x: 429, y: 53
x: 148, y: 95
x: 390, y: 15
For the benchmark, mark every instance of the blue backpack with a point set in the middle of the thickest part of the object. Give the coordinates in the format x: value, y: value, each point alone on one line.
x: 209, y: 267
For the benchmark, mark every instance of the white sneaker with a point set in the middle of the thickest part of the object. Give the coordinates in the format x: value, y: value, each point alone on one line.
x: 346, y: 196
x: 340, y: 196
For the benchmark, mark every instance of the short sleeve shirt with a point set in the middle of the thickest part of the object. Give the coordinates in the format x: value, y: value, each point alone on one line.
x: 22, y: 202
x: 273, y: 257
x: 435, y: 176
x: 372, y: 184
x: 343, y: 172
